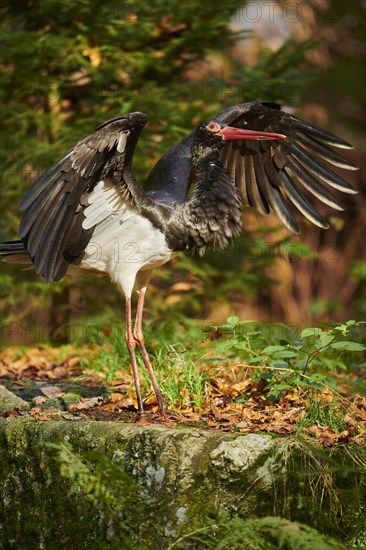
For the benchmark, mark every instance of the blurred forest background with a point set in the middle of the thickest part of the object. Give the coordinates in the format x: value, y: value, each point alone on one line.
x: 68, y: 65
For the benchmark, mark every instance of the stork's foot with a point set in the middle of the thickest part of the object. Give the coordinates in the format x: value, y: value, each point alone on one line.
x: 156, y: 419
x: 143, y: 420
x: 161, y: 416
x: 168, y: 416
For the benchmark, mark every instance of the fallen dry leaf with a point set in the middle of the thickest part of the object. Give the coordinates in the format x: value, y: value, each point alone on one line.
x: 39, y: 399
x: 326, y: 396
x: 27, y: 372
x: 52, y: 391
x: 86, y: 403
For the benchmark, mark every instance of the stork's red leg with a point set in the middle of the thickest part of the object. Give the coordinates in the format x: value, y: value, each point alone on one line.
x: 131, y: 345
x: 139, y: 338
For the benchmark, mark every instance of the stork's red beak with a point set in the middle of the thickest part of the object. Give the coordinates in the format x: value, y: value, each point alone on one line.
x: 230, y: 133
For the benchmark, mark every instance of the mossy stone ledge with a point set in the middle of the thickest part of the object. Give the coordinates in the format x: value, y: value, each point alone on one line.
x: 178, y: 476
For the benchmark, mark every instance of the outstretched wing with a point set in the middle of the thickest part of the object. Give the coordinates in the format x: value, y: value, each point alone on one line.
x: 268, y: 171
x: 52, y: 227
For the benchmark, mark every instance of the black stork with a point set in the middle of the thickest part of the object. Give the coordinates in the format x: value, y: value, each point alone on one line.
x: 88, y: 209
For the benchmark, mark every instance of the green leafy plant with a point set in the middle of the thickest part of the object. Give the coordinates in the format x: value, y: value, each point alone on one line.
x: 106, y: 486
x: 268, y: 533
x: 301, y: 359
x: 189, y: 359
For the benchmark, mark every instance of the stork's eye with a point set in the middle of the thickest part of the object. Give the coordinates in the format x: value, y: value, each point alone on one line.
x: 213, y: 127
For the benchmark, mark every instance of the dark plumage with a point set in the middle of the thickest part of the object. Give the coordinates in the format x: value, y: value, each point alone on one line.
x: 252, y: 153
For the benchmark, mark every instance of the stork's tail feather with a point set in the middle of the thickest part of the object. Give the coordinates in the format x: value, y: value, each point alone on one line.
x: 14, y: 252
x: 11, y: 247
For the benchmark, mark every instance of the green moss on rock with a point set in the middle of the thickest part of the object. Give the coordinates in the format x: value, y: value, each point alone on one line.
x: 87, y: 484
x: 9, y: 401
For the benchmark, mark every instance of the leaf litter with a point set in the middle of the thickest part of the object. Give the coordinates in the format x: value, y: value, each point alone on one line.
x: 56, y: 382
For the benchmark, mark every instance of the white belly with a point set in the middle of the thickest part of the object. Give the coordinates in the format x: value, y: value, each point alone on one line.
x: 124, y: 242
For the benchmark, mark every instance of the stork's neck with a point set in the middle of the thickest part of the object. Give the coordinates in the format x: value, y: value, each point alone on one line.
x: 212, y: 215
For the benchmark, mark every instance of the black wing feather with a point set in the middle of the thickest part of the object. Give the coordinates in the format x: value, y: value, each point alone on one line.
x: 319, y: 171
x: 42, y: 182
x: 315, y: 132
x: 326, y: 153
x: 274, y: 195
x: 51, y: 227
x: 279, y: 168
x: 312, y: 184
x: 302, y: 204
x: 254, y: 192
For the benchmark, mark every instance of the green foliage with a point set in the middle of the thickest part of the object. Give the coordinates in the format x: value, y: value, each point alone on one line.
x: 277, y: 75
x: 175, y: 364
x: 106, y: 486
x: 288, y: 355
x: 100, y: 480
x: 182, y: 383
x: 358, y: 270
x: 270, y: 533
x: 185, y: 359
x: 324, y: 414
x: 112, y: 352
